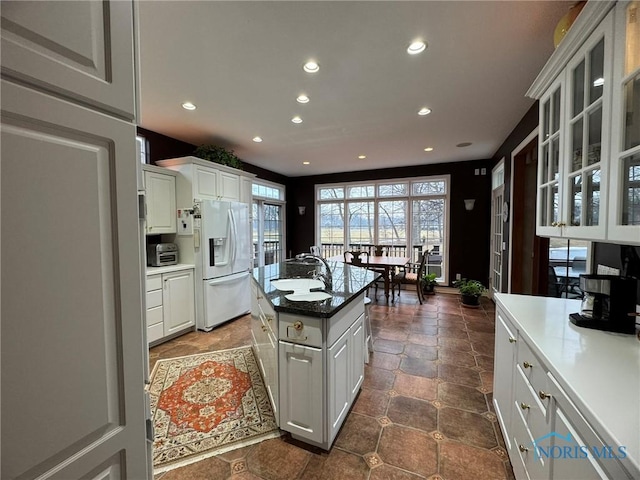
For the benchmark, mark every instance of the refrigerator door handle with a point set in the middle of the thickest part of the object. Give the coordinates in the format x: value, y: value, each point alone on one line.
x: 212, y: 253
x: 232, y: 219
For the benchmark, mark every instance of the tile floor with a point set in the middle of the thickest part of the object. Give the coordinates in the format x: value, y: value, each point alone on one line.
x: 424, y: 410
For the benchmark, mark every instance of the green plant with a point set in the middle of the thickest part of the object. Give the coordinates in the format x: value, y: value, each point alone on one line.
x: 472, y: 288
x: 429, y: 279
x: 217, y: 154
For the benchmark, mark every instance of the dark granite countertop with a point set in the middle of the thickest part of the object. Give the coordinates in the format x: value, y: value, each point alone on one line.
x: 348, y: 283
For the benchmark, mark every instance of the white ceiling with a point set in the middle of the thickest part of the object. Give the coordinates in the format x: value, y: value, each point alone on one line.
x: 241, y: 64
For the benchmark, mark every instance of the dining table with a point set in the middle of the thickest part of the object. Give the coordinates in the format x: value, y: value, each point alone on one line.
x: 383, y: 263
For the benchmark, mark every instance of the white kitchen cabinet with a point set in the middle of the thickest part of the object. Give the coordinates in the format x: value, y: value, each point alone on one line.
x: 624, y: 198
x: 170, y: 304
x: 589, y: 148
x: 547, y: 435
x: 339, y: 382
x: 160, y: 193
x: 357, y: 353
x: 71, y: 311
x: 203, y: 180
x: 302, y: 391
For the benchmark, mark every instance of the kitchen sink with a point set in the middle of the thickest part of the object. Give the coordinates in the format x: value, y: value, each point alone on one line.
x: 308, y: 297
x: 297, y: 285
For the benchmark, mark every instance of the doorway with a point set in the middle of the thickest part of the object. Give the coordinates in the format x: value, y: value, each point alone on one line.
x: 529, y: 253
x: 497, y: 221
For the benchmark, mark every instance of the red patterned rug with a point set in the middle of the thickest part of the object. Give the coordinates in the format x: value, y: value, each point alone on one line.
x: 206, y: 404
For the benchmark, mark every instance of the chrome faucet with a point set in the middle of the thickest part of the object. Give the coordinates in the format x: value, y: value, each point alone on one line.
x: 325, y: 277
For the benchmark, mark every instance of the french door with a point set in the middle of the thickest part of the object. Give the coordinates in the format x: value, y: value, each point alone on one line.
x: 267, y: 232
x: 497, y: 211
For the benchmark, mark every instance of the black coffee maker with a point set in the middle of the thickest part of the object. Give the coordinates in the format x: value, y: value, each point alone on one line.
x: 608, y: 303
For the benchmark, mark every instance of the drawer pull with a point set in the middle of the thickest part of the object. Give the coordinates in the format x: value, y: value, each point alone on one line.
x: 264, y: 328
x: 512, y: 340
x: 269, y: 318
x: 524, y: 406
x: 298, y: 325
x: 526, y: 364
x: 522, y: 448
x: 543, y: 395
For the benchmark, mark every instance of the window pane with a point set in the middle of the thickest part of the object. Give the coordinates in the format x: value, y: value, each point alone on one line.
x: 578, y: 89
x: 576, y: 146
x: 592, y: 197
x: 255, y: 232
x: 631, y: 190
x: 595, y: 136
x: 331, y: 192
x: 392, y: 222
x: 437, y: 187
x: 272, y: 234
x: 427, y: 226
x: 393, y: 190
x: 360, y: 191
x: 632, y: 113
x: 596, y: 80
x: 361, y: 223
x: 332, y: 223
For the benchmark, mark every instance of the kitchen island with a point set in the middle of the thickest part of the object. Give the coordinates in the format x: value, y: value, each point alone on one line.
x: 311, y: 354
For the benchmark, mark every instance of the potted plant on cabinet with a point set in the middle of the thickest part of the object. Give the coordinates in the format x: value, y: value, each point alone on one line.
x: 428, y: 283
x: 470, y: 291
x: 217, y: 154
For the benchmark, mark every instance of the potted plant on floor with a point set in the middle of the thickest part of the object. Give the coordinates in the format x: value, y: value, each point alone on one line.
x: 470, y: 291
x: 429, y: 283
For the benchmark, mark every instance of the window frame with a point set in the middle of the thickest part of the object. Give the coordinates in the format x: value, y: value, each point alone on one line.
x: 258, y: 255
x: 409, y: 198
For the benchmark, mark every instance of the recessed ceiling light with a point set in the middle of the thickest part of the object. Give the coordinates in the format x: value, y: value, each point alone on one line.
x: 416, y: 47
x: 362, y: 156
x: 311, y: 67
x: 257, y: 139
x: 424, y: 111
x: 428, y: 149
x: 302, y: 99
x: 296, y: 119
x: 188, y: 106
x: 463, y: 144
x: 306, y: 163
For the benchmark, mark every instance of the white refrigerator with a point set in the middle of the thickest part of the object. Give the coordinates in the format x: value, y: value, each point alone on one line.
x: 225, y: 253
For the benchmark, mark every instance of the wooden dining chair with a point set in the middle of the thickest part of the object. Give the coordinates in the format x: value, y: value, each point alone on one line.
x: 361, y: 259
x: 412, y: 274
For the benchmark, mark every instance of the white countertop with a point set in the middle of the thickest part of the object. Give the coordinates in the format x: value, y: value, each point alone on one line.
x: 599, y: 370
x: 169, y: 268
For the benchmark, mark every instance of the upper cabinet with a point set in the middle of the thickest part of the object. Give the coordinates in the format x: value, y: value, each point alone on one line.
x: 203, y: 180
x: 160, y: 193
x: 624, y: 208
x: 588, y: 177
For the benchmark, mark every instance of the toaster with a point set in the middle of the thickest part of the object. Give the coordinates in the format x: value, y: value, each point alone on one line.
x: 162, y: 254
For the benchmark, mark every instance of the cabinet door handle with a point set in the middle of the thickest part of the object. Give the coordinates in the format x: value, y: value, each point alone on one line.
x: 512, y: 340
x: 555, y: 224
x: 524, y: 406
x: 522, y: 448
x: 264, y: 329
x: 526, y: 364
x: 543, y: 395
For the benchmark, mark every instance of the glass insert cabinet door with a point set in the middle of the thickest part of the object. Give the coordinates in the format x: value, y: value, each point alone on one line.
x: 624, y: 212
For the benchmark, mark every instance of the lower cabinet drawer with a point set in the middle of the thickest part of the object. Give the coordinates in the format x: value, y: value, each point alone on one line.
x: 155, y: 332
x: 302, y: 330
x: 154, y: 316
x: 154, y: 282
x: 154, y: 299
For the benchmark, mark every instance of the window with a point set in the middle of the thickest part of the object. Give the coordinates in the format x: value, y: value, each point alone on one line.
x: 407, y: 216
x: 267, y: 213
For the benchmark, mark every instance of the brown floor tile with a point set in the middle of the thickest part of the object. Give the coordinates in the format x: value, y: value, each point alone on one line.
x: 408, y: 449
x: 456, y: 357
x: 484, y: 362
x: 455, y: 343
x: 485, y: 326
x: 422, y: 339
x: 419, y: 367
x: 427, y: 320
x: 461, y: 375
x: 462, y: 462
x: 276, y: 460
x: 416, y: 387
x: 466, y: 427
x: 454, y: 332
x: 421, y: 351
x: 377, y: 378
x: 419, y: 327
x: 413, y: 413
x: 387, y: 472
x: 359, y: 434
x: 337, y: 465
x: 386, y: 361
x: 487, y: 381
x: 460, y: 396
x: 371, y: 402
x: 388, y: 346
x: 389, y: 334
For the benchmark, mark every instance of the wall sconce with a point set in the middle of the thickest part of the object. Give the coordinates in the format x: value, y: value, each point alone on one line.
x: 301, y: 210
x: 468, y: 204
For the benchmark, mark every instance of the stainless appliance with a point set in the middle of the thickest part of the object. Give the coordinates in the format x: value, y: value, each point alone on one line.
x: 608, y: 303
x: 224, y: 253
x: 161, y: 254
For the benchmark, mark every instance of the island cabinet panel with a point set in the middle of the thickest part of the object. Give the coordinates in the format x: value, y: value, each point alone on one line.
x: 339, y: 384
x: 357, y: 353
x: 301, y: 391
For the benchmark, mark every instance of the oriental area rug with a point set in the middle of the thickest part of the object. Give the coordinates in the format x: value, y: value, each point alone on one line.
x: 206, y: 404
